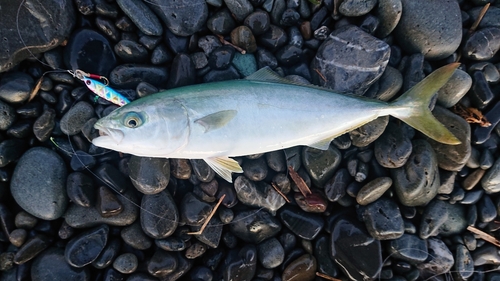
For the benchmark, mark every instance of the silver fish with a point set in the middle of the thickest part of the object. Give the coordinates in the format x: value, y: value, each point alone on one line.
x: 262, y: 113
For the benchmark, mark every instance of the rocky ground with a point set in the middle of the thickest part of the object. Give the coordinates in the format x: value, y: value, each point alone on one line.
x: 387, y: 203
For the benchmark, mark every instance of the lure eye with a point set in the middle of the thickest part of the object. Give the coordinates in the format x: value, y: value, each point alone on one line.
x: 87, y: 82
x: 132, y: 120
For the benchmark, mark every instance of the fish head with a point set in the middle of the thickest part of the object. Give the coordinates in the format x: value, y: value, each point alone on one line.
x: 144, y: 129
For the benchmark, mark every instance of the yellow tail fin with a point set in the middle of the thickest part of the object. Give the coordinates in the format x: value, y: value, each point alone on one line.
x: 413, y: 106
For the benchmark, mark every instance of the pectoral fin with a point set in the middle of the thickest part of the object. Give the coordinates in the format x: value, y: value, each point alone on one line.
x: 216, y: 120
x: 323, y: 144
x: 224, y: 166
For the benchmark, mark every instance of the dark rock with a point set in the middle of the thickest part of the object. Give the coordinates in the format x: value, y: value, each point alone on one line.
x: 11, y: 150
x: 418, y: 32
x: 255, y: 169
x: 162, y: 263
x: 149, y: 175
x: 50, y: 265
x: 31, y: 248
x: 321, y: 165
x: 325, y: 263
x: 72, y: 122
x: 171, y: 244
x: 15, y: 87
x: 368, y: 133
x: 273, y: 39
x: 221, y: 57
x: 289, y: 55
x: 258, y: 194
x: 130, y: 75
x: 335, y: 188
x: 482, y: 134
x: 442, y: 218
x: 302, y: 268
x: 289, y: 17
x: 141, y: 16
x: 464, y: 264
x: 211, y: 234
x: 107, y: 255
x: 393, y: 148
x: 159, y: 215
x: 180, y: 168
x: 43, y: 193
x: 363, y: 52
x: 221, y: 22
x: 81, y: 161
x: 383, y: 219
x: 356, y: 8
x: 440, y: 259
x: 458, y: 85
x: 113, y: 178
x: 80, y: 189
x: 491, y: 180
x: 7, y: 116
x: 258, y: 21
x: 482, y: 44
x: 126, y: 263
x: 221, y: 75
x: 239, y: 8
x: 254, y: 226
x: 486, y: 210
x: 409, y: 248
x: 373, y: 190
x: 86, y: 247
x: 130, y: 51
x: 182, y: 72
x: 271, y: 253
x: 193, y: 211
x: 107, y: 203
x: 305, y: 225
x: 183, y: 17
x: 44, y: 26
x: 389, y: 14
x: 242, y: 37
x: 241, y: 263
x: 312, y: 203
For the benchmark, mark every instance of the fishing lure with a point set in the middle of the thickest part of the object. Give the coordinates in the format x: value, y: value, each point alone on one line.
x: 100, y: 89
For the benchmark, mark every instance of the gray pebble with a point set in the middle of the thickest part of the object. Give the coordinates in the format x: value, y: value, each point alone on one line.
x: 254, y: 226
x: 17, y: 237
x: 383, y: 219
x: 126, y: 263
x: 239, y: 8
x: 440, y: 260
x: 486, y: 160
x: 212, y: 233
x: 486, y: 210
x: 159, y: 215
x: 50, y: 265
x: 387, y: 86
x: 255, y: 169
x: 482, y: 44
x: 489, y: 19
x: 389, y: 13
x: 182, y: 17
x: 134, y: 236
x: 276, y: 161
x: 43, y: 192
x: 141, y: 16
x: 15, y: 87
x: 356, y: 8
x: 491, y: 180
x: 368, y: 133
x: 149, y: 175
x: 418, y: 31
x: 393, y: 148
x: 487, y: 254
x: 86, y: 247
x: 464, y: 264
x: 442, y: 218
x: 321, y: 164
x: 7, y: 116
x: 72, y: 122
x: 25, y: 220
x: 409, y: 248
x: 458, y: 85
x: 473, y: 179
x: 373, y: 190
x: 271, y: 253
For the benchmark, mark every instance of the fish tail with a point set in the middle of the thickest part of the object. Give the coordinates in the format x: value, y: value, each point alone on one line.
x: 413, y: 106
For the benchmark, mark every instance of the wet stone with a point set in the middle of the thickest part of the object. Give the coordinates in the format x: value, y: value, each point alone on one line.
x: 289, y: 55
x: 255, y: 169
x: 258, y: 194
x: 204, y: 173
x: 442, y: 218
x: 239, y: 8
x: 458, y: 85
x: 25, y: 220
x: 319, y: 164
x: 112, y: 177
x: 417, y: 182
x: 464, y: 264
x: 7, y: 116
x: 195, y: 250
x: 221, y: 57
x: 240, y: 262
x: 180, y: 168
x: 486, y: 254
x: 368, y: 133
x: 271, y: 253
x: 491, y: 179
x: 489, y: 19
x: 303, y: 268
x: 72, y: 122
x: 107, y: 202
x: 409, y: 248
x: 393, y: 148
x: 183, y: 17
x: 171, y: 244
x: 243, y: 37
x: 212, y: 233
x: 418, y: 32
x: 15, y: 87
x: 162, y: 263
x: 383, y: 219
x: 273, y: 39
x: 472, y: 197
x: 43, y: 193
x: 355, y: 261
x: 86, y: 247
x: 276, y: 161
x: 134, y: 236
x: 130, y: 51
x: 482, y: 44
x: 482, y: 134
x: 81, y: 161
x: 193, y: 211
x: 373, y: 190
x: 80, y: 189
x: 369, y: 53
x: 325, y: 263
x: 50, y: 265
x: 452, y: 157
x: 335, y: 188
x: 486, y: 210
x: 159, y: 215
x: 258, y: 22
x: 221, y: 22
x: 32, y: 247
x: 141, y: 16
x: 149, y: 175
x: 126, y: 263
x: 254, y: 226
x: 305, y: 225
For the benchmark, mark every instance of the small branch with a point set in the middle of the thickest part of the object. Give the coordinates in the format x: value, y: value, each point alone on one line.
x: 319, y: 274
x: 279, y: 192
x: 223, y: 41
x: 301, y: 184
x: 483, y: 235
x: 199, y: 232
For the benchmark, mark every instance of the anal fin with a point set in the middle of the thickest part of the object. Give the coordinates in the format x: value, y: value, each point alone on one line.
x: 224, y: 166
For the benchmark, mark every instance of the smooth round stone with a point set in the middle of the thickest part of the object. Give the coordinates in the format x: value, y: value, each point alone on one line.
x: 108, y: 254
x: 51, y: 266
x: 162, y: 263
x: 442, y: 218
x: 419, y: 32
x: 289, y: 55
x: 258, y: 194
x: 305, y: 225
x: 276, y: 161
x: 472, y: 197
x: 409, y: 248
x: 389, y: 14
x: 356, y: 8
x: 417, y: 182
x: 289, y: 17
x: 464, y: 264
x: 25, y: 220
x: 452, y: 157
x: 84, y: 48
x: 241, y: 263
x: 182, y: 71
x: 491, y: 179
x: 458, y: 85
x: 180, y: 168
x: 335, y: 188
x: 239, y: 8
x: 159, y: 215
x: 113, y: 178
x: 7, y: 116
x: 43, y: 192
x: 15, y: 87
x: 171, y: 244
x: 325, y: 263
x: 134, y: 236
x: 486, y: 254
x: 321, y: 164
x: 387, y: 86
x: 482, y: 44
x: 205, y: 174
x: 82, y: 217
x: 139, y: 13
x: 160, y: 55
x: 221, y: 22
x: 357, y: 262
x: 221, y: 57
x: 72, y: 122
x: 149, y: 175
x: 126, y: 263
x: 195, y: 250
x: 486, y: 210
x: 199, y: 59
x: 31, y: 249
x: 130, y: 75
x: 86, y: 247
x: 373, y: 190
x: 130, y: 51
x: 80, y: 189
x: 271, y: 253
x: 393, y: 148
x: 335, y: 60
x: 243, y: 37
x: 303, y: 268
x: 383, y: 219
x: 193, y: 211
x: 368, y: 133
x: 440, y: 260
x: 273, y: 39
x: 254, y: 226
x: 258, y: 21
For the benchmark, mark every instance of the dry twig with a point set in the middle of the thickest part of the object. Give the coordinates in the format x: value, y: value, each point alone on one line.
x: 474, y: 26
x: 225, y: 42
x: 483, y: 235
x: 324, y: 276
x: 301, y: 184
x: 199, y: 232
x: 471, y: 115
x: 279, y: 192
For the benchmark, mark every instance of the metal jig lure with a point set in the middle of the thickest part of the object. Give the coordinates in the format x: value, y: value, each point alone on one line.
x: 100, y: 89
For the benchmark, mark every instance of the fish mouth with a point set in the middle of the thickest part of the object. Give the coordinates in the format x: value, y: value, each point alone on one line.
x: 107, y: 136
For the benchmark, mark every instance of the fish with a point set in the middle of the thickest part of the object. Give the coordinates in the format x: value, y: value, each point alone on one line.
x: 261, y: 113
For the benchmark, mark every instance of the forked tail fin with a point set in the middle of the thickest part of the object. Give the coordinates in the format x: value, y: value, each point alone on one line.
x: 413, y: 106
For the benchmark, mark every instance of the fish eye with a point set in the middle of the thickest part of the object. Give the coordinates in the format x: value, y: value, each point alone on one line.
x: 132, y: 120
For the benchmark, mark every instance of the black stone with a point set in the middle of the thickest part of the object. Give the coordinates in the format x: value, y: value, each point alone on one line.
x: 80, y: 189
x: 159, y: 215
x: 86, y: 247
x: 305, y: 225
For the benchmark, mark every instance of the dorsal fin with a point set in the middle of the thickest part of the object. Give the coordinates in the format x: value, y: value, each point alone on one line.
x: 265, y: 74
